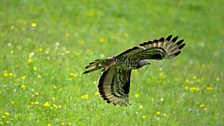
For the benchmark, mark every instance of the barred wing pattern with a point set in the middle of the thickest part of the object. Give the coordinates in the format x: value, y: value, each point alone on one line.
x: 114, y: 83
x: 165, y: 47
x: 157, y: 49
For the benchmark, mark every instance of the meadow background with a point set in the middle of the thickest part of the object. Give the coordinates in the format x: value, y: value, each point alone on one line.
x: 45, y: 46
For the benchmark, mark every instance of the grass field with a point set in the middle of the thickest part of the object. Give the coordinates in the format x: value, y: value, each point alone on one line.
x: 45, y: 46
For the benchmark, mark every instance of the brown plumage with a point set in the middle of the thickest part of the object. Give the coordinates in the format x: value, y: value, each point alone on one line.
x: 114, y: 82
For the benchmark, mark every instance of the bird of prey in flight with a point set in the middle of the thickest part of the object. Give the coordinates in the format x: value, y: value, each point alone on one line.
x: 114, y: 82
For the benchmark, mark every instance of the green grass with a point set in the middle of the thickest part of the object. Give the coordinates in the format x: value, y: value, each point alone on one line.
x: 45, y: 46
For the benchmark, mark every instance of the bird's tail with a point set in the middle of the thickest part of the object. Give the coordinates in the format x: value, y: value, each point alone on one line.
x: 170, y: 45
x: 98, y: 64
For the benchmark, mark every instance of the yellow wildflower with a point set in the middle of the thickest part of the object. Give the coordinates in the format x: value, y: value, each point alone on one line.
x: 34, y: 68
x: 158, y: 113
x: 59, y: 106
x: 36, y: 103
x: 136, y: 95
x: 10, y: 74
x: 102, y: 39
x: 161, y: 99
x: 162, y: 75
x: 30, y: 60
x: 5, y: 74
x: 39, y: 76
x: 53, y: 98
x: 12, y: 27
x: 209, y: 88
x: 34, y: 24
x: 192, y: 89
x: 23, y: 77
x: 6, y: 113
x: 187, y: 81
x: 46, y: 104
x: 48, y: 124
x: 85, y: 97
x: 164, y: 115
x: 62, y: 124
x: 12, y: 102
x: 73, y: 74
x: 202, y: 105
x: 36, y: 94
x: 23, y: 87
x: 144, y: 116
x: 97, y: 94
x: 40, y: 50
x: 55, y: 106
x: 3, y: 116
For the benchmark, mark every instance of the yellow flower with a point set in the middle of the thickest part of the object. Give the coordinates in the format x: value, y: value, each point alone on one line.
x: 162, y: 75
x: 55, y: 106
x: 158, y: 113
x: 36, y: 94
x: 34, y: 68
x: 12, y: 102
x: 39, y: 76
x: 62, y: 123
x: 48, y: 58
x: 187, y: 81
x: 136, y: 95
x: 161, y: 99
x: 85, y: 97
x: 34, y: 25
x: 209, y: 88
x: 102, y: 39
x: 192, y: 89
x: 73, y: 74
x: 144, y: 116
x: 40, y: 50
x: 30, y: 60
x: 5, y: 74
x: 164, y: 115
x: 6, y: 113
x: 97, y: 94
x: 36, y: 103
x: 48, y: 124
x: 53, y: 98
x: 12, y: 27
x: 23, y: 77
x: 202, y: 105
x: 59, y: 106
x: 23, y: 87
x: 46, y: 104
x: 10, y: 74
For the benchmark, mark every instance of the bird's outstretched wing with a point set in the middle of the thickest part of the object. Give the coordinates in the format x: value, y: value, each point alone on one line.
x: 157, y: 49
x: 114, y: 84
